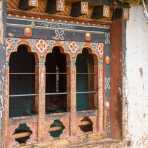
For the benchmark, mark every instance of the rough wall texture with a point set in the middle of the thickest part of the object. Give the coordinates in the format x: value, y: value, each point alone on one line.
x: 1, y: 66
x: 136, y: 82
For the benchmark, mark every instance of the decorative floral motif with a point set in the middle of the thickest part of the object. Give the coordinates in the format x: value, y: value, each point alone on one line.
x: 44, y: 46
x: 33, y: 3
x: 51, y: 44
x: 106, y: 11
x: 84, y: 7
x: 60, y: 5
x: 59, y: 34
x: 100, y: 49
x: 41, y: 46
x: 73, y: 47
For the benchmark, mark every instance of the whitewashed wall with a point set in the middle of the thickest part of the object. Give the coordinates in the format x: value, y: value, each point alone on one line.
x: 136, y: 86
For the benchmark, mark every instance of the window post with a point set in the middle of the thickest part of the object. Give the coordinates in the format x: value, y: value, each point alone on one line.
x: 72, y: 83
x: 40, y: 78
x: 100, y: 101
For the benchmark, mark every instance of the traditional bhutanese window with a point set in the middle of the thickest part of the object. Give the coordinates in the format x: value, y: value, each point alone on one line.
x: 22, y: 83
x: 85, y: 85
x: 56, y: 82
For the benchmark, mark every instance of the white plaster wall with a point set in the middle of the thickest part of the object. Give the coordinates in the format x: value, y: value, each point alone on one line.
x: 137, y: 77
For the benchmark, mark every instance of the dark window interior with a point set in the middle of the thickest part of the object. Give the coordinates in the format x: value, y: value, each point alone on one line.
x: 56, y: 82
x: 85, y: 81
x: 22, y: 83
x: 86, y: 125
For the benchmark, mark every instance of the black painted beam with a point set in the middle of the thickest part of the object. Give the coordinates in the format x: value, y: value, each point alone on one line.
x: 54, y: 6
x: 51, y: 6
x: 101, y: 11
x: 79, y: 8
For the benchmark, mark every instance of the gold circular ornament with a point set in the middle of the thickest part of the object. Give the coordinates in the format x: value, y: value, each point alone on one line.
x: 107, y: 104
x: 28, y: 32
x: 88, y: 36
x: 10, y: 34
x: 107, y: 60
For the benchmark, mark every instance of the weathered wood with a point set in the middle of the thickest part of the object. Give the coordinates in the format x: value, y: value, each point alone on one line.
x: 84, y: 123
x: 116, y: 79
x: 54, y: 129
x: 28, y: 15
x: 22, y: 135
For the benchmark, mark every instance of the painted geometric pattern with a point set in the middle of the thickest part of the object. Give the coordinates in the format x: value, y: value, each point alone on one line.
x: 84, y: 7
x: 44, y: 46
x: 107, y: 38
x: 59, y: 34
x: 33, y: 3
x: 106, y: 11
x: 60, y: 4
x: 108, y: 124
x: 99, y: 48
x: 107, y: 83
x: 41, y: 46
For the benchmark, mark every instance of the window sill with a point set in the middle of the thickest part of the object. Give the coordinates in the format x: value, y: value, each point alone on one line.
x: 57, y: 114
x: 87, y: 113
x: 23, y: 118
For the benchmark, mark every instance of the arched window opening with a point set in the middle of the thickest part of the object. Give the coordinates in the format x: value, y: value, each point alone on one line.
x: 56, y: 82
x: 22, y: 83
x: 85, y: 85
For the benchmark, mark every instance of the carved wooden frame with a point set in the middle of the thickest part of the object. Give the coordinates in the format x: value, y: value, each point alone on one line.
x: 39, y: 122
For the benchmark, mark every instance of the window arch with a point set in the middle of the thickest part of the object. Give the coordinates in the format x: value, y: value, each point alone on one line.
x: 22, y: 91
x: 56, y: 82
x: 86, y: 88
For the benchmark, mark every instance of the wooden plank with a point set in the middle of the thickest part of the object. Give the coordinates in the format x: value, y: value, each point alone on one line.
x: 84, y: 123
x: 54, y: 129
x: 22, y: 135
x: 116, y: 79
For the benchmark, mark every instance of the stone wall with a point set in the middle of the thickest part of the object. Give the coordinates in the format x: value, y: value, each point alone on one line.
x: 136, y: 79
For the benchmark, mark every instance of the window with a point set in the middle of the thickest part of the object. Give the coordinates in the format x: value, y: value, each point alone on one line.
x: 56, y: 82
x: 85, y: 85
x: 22, y: 83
